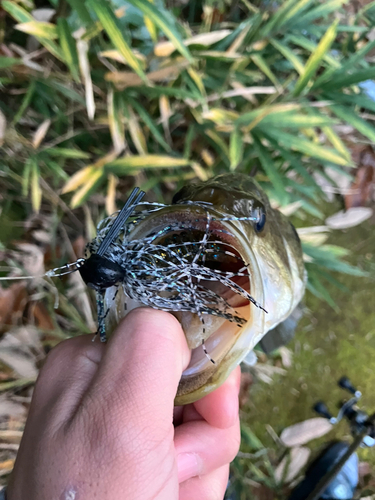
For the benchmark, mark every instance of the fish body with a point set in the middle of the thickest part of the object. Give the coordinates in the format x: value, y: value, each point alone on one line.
x: 223, y: 261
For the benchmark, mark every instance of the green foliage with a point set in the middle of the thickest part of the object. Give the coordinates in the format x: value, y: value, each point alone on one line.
x: 125, y: 87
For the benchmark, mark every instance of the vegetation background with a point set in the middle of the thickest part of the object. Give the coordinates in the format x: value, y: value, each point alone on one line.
x: 99, y: 96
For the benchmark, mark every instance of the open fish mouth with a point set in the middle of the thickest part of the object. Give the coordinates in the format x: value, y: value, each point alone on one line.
x: 201, y: 269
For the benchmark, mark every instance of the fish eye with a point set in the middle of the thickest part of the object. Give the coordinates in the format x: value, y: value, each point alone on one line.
x: 260, y: 219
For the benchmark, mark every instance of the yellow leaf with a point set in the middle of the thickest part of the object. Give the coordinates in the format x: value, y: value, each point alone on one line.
x: 165, y: 49
x: 110, y: 199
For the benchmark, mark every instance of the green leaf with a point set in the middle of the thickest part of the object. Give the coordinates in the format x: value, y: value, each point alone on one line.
x: 26, y: 177
x: 320, y: 291
x: 263, y: 66
x: 18, y: 13
x: 315, y: 59
x: 149, y: 122
x: 277, y: 18
x: 36, y: 192
x: 307, y: 147
x: 290, y: 55
x: 25, y: 102
x: 82, y: 12
x: 305, y: 43
x: 129, y: 164
x: 8, y: 62
x: 273, y: 174
x: 112, y: 27
x: 38, y: 29
x: 348, y: 66
x: 355, y: 121
x: 160, y: 19
x: 236, y: 147
x: 295, y: 13
x: 76, y: 154
x: 321, y: 11
x: 338, y: 81
x: 250, y: 439
x: 68, y: 47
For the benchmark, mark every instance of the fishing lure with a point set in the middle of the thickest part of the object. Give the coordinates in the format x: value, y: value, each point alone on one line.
x: 164, y: 276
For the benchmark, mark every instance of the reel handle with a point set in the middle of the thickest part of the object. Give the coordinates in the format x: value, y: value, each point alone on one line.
x: 345, y: 383
x: 322, y: 410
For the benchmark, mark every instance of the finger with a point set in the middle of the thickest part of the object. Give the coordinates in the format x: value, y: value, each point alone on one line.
x: 201, y: 448
x: 208, y: 487
x: 66, y: 375
x: 141, y: 368
x: 220, y: 407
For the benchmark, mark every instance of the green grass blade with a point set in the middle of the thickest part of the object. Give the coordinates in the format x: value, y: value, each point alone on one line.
x: 68, y: 47
x: 160, y: 19
x: 111, y: 26
x: 315, y: 59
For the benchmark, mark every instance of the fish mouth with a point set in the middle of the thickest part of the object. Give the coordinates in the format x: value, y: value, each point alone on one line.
x: 221, y: 248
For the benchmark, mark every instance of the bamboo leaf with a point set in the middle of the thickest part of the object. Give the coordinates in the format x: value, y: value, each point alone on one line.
x: 160, y: 19
x: 96, y: 179
x: 302, y: 145
x: 263, y: 66
x: 38, y: 29
x: 272, y: 173
x: 113, y: 30
x: 235, y: 148
x: 75, y: 154
x: 332, y: 73
x: 79, y: 7
x: 84, y: 66
x: 338, y: 81
x: 321, y: 11
x: 36, y: 192
x: 68, y: 46
x: 128, y: 164
x: 17, y: 12
x: 148, y: 121
x: 290, y: 55
x: 315, y: 59
x: 355, y: 121
x: 8, y: 62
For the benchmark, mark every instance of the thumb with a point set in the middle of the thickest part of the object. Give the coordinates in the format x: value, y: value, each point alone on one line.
x: 142, y: 366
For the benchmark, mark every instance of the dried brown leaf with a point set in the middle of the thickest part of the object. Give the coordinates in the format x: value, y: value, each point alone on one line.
x: 297, y: 460
x: 303, y: 432
x: 41, y: 133
x: 3, y: 125
x: 352, y: 217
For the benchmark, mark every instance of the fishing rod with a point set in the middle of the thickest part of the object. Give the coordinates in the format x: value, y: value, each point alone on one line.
x: 333, y: 459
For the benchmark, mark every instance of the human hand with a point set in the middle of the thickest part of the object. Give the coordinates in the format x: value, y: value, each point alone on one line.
x: 101, y: 422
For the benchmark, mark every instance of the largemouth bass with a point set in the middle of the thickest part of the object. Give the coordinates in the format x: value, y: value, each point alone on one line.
x: 221, y: 259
